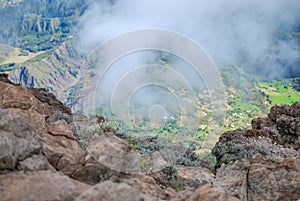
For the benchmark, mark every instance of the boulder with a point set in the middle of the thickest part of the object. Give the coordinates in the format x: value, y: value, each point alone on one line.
x: 260, y: 179
x: 240, y: 144
x: 110, y: 155
x: 20, y: 145
x: 209, y: 192
x: 39, y: 185
x: 50, y: 118
x: 146, y: 185
x: 112, y: 191
x: 62, y: 148
x: 282, y: 125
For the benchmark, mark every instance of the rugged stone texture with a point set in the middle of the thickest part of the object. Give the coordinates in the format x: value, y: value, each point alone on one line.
x: 110, y: 155
x: 114, y: 192
x: 282, y: 125
x: 266, y: 158
x: 274, y: 137
x: 233, y: 178
x: 274, y: 181
x: 260, y: 179
x: 62, y: 152
x: 236, y: 145
x: 50, y: 118
x: 209, y: 192
x: 116, y: 154
x: 20, y: 145
x: 36, y: 131
x: 43, y: 96
x: 146, y: 185
x: 37, y: 186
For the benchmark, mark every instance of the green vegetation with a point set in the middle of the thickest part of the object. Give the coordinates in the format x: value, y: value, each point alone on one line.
x: 170, y: 178
x: 39, y: 57
x: 7, y: 67
x: 278, y: 92
x: 243, y: 98
x: 35, y: 42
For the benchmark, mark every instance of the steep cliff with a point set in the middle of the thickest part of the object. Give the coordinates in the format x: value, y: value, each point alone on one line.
x: 38, y: 27
x: 57, y: 71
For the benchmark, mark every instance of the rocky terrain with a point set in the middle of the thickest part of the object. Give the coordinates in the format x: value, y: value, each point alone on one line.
x: 41, y: 157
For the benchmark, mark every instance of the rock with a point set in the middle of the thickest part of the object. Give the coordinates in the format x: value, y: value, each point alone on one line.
x: 20, y: 146
x: 209, y: 192
x: 282, y: 125
x: 50, y: 118
x: 61, y: 128
x: 35, y: 119
x: 273, y: 181
x: 39, y: 185
x: 13, y: 96
x: 35, y: 162
x: 110, y: 155
x: 62, y: 149
x: 260, y: 179
x: 114, y: 192
x: 146, y: 185
x: 194, y: 177
x: 16, y: 96
x: 233, y: 178
x: 4, y: 78
x: 91, y: 172
x: 236, y: 145
x: 117, y: 155
x: 46, y: 97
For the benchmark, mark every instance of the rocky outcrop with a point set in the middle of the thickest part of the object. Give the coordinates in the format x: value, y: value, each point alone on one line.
x: 114, y: 191
x: 282, y: 125
x: 39, y: 185
x: 260, y: 179
x: 262, y: 163
x: 41, y: 158
x: 58, y: 71
x: 20, y: 147
x: 48, y: 117
x: 275, y: 137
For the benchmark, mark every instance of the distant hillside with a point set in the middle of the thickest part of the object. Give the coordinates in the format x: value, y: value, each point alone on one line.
x: 39, y: 27
x: 34, y: 43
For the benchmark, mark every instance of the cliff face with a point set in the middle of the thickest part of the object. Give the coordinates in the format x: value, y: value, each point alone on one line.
x: 18, y: 18
x: 43, y: 29
x: 41, y: 158
x: 58, y: 71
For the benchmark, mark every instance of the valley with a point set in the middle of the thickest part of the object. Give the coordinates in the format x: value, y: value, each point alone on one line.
x: 39, y: 49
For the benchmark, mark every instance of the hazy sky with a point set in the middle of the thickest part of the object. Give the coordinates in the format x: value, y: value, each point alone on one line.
x: 231, y: 31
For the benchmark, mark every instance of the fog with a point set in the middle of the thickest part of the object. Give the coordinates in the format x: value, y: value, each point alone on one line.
x: 254, y: 34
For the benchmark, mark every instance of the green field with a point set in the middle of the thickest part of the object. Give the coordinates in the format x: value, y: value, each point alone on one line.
x: 278, y: 92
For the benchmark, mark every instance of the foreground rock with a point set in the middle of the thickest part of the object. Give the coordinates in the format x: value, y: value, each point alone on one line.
x: 260, y: 179
x: 20, y: 145
x: 262, y: 163
x: 50, y: 119
x: 275, y: 137
x: 282, y: 125
x: 43, y: 157
x: 114, y: 192
x: 39, y: 185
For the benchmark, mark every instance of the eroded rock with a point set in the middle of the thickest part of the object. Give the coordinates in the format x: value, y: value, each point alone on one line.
x: 114, y: 192
x: 260, y: 179
x: 20, y: 145
x: 39, y: 185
